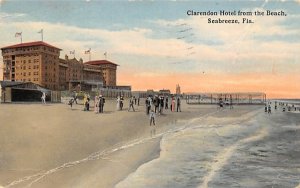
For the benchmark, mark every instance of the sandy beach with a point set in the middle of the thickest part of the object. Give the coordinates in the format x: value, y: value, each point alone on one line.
x: 36, y: 138
x: 55, y: 146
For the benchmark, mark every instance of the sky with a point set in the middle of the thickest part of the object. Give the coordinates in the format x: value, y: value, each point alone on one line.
x: 157, y: 45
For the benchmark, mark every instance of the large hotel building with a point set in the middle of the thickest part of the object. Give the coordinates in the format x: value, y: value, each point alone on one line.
x: 39, y: 62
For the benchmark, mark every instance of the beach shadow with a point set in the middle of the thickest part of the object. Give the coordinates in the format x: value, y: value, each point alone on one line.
x: 108, y: 112
x: 163, y: 115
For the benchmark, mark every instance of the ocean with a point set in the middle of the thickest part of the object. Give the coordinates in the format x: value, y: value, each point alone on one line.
x: 251, y: 150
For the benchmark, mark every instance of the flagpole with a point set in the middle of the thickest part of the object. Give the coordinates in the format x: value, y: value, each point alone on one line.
x: 90, y: 54
x: 42, y: 34
x: 21, y: 38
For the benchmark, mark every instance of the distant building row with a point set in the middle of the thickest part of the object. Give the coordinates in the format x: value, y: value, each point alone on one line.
x: 39, y: 62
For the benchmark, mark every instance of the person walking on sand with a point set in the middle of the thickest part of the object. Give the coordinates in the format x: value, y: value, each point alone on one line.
x: 71, y: 101
x: 155, y: 102
x: 178, y: 104
x: 134, y: 100
x: 118, y: 103
x: 96, y: 106
x: 167, y: 103
x: 139, y: 101
x: 101, y: 103
x: 131, y: 101
x: 173, y: 104
x: 86, y: 103
x: 43, y: 98
x: 161, y: 104
x: 148, y: 106
x: 121, y: 102
x: 75, y: 97
x: 152, y: 117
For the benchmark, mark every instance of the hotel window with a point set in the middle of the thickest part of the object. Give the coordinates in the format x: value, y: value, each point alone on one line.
x: 24, y: 67
x: 24, y: 74
x: 29, y: 73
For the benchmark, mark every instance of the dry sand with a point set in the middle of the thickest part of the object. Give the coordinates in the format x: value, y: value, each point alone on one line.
x: 54, y: 146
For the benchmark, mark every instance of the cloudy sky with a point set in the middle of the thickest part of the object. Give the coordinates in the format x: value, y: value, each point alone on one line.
x: 157, y: 45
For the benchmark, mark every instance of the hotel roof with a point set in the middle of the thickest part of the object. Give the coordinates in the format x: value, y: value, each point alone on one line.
x: 100, y: 62
x: 28, y: 44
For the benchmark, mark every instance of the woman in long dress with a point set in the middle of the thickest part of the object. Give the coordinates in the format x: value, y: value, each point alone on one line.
x: 173, y: 104
x: 96, y: 106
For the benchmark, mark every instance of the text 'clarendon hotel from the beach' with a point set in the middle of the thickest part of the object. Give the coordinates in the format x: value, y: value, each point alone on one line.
x: 39, y: 62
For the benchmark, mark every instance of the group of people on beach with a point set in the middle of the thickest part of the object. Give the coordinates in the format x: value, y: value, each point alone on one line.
x: 158, y: 103
x: 154, y: 104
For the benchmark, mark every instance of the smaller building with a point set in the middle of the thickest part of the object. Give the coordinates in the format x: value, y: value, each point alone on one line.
x: 109, y: 71
x: 26, y: 92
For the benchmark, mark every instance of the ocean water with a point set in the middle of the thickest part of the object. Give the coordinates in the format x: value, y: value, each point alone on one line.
x: 252, y: 150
